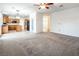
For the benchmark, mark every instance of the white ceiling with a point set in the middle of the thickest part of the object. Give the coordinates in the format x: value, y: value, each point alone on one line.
x: 56, y: 8
x: 10, y: 8
x: 27, y: 8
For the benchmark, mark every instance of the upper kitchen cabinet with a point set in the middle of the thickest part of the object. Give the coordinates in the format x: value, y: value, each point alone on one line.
x: 6, y: 19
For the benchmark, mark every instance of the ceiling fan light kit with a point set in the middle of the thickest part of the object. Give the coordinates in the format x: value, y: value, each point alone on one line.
x: 45, y: 5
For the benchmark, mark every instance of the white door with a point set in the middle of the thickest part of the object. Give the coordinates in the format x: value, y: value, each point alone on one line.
x: 46, y: 23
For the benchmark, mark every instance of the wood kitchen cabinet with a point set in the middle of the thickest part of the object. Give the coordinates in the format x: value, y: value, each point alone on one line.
x: 15, y: 27
x: 6, y: 19
x: 4, y: 29
x: 18, y: 28
x: 12, y: 27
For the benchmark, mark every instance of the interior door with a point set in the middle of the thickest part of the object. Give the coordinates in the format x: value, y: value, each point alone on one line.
x: 46, y: 23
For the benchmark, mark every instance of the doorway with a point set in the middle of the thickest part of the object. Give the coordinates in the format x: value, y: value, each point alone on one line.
x: 46, y: 23
x: 27, y: 25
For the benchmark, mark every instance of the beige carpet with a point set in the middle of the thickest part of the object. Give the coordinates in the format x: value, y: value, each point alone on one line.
x: 39, y: 44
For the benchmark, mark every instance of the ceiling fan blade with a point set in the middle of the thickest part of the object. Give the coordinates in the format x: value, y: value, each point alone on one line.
x: 50, y: 3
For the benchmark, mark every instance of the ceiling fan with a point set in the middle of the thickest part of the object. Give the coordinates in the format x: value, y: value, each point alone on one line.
x: 45, y: 5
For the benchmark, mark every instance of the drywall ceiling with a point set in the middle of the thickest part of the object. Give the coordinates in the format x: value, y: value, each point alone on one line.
x: 24, y: 9
x: 56, y: 8
x: 13, y: 9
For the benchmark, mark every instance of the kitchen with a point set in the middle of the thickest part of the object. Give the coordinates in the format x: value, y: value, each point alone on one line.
x: 14, y: 24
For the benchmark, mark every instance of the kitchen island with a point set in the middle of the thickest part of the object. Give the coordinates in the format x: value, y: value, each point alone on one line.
x: 11, y: 27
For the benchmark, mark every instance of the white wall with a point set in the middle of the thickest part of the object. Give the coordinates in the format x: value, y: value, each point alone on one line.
x: 66, y: 22
x: 39, y: 22
x: 1, y: 22
x: 36, y: 22
x: 33, y: 22
x: 1, y: 19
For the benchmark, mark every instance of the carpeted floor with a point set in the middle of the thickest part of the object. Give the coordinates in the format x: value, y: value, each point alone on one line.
x: 38, y: 44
